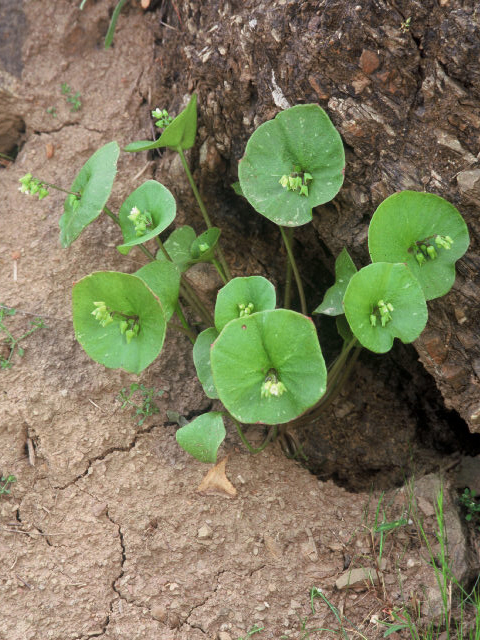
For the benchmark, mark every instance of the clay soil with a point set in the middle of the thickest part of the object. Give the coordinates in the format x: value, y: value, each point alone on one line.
x: 104, y: 534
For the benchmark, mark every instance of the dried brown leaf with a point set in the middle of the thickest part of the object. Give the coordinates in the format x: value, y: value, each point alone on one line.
x: 216, y: 481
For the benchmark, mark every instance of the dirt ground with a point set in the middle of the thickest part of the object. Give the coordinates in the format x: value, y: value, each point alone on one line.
x: 104, y: 534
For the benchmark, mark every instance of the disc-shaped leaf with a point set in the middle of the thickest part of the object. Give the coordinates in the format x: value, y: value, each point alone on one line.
x: 251, y: 350
x: 153, y: 198
x: 129, y: 296
x: 332, y: 304
x: 178, y: 246
x: 392, y: 284
x: 300, y: 139
x: 163, y: 278
x: 180, y: 132
x: 403, y: 221
x: 94, y: 183
x: 201, y: 359
x: 202, y: 437
x: 233, y: 299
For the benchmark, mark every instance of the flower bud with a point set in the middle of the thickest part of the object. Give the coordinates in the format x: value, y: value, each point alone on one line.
x: 431, y: 252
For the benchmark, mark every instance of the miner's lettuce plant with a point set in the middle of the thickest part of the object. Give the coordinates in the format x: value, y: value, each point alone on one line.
x: 264, y: 364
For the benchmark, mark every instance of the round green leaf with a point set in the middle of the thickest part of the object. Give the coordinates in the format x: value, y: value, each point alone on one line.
x: 202, y: 437
x: 303, y: 137
x: 248, y: 349
x: 153, y: 197
x: 178, y: 246
x: 163, y: 278
x: 408, y: 217
x: 201, y: 359
x: 332, y: 304
x: 128, y: 295
x: 254, y: 290
x: 94, y: 183
x: 180, y: 132
x: 391, y: 283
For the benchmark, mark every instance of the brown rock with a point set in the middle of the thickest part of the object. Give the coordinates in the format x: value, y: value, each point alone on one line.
x: 369, y: 61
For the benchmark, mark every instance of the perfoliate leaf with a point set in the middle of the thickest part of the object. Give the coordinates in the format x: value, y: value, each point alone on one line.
x: 163, y: 278
x: 178, y: 246
x: 202, y: 437
x: 180, y: 132
x: 404, y: 228
x: 369, y: 293
x: 268, y: 367
x: 125, y: 297
x: 201, y: 359
x: 150, y: 198
x: 300, y: 143
x: 94, y: 183
x: 332, y: 304
x: 243, y: 296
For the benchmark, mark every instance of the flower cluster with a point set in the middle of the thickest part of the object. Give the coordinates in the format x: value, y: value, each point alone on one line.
x: 272, y: 386
x: 297, y: 181
x: 424, y: 250
x: 33, y: 186
x: 162, y: 118
x: 245, y: 309
x: 384, y: 310
x: 140, y: 220
x: 129, y: 326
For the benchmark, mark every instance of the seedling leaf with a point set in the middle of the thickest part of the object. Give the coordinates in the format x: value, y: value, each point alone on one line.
x: 153, y: 198
x: 178, y: 246
x: 332, y: 304
x: 94, y: 183
x: 201, y: 359
x: 249, y: 349
x: 392, y: 284
x: 202, y: 437
x: 180, y: 132
x: 234, y: 298
x: 202, y: 248
x: 405, y: 219
x: 128, y: 295
x: 300, y: 140
x: 163, y: 278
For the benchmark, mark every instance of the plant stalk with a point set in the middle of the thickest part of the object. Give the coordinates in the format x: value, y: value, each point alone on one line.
x: 203, y: 209
x: 287, y: 235
x: 270, y: 436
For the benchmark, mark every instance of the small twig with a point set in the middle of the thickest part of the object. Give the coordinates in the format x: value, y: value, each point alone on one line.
x: 169, y: 26
x: 142, y: 171
x: 24, y: 581
x: 31, y: 452
x: 96, y: 405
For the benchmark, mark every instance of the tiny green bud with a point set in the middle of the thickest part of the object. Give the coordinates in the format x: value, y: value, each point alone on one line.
x: 420, y: 258
x: 448, y: 239
x: 203, y: 247
x: 304, y: 190
x: 373, y: 320
x: 431, y: 252
x: 389, y: 306
x: 284, y: 181
x: 307, y: 177
x: 129, y: 334
x: 123, y: 326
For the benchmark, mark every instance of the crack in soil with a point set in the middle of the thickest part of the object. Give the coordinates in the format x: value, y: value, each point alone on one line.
x: 109, y: 451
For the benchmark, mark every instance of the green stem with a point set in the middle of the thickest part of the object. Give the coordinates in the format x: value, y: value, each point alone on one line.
x: 203, y: 209
x: 111, y: 215
x: 185, y: 330
x: 219, y: 269
x: 188, y: 292
x: 288, y: 286
x: 54, y: 186
x: 188, y: 330
x: 271, y: 435
x: 287, y: 235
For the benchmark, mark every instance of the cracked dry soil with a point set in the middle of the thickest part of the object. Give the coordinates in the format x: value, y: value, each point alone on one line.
x: 100, y: 537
